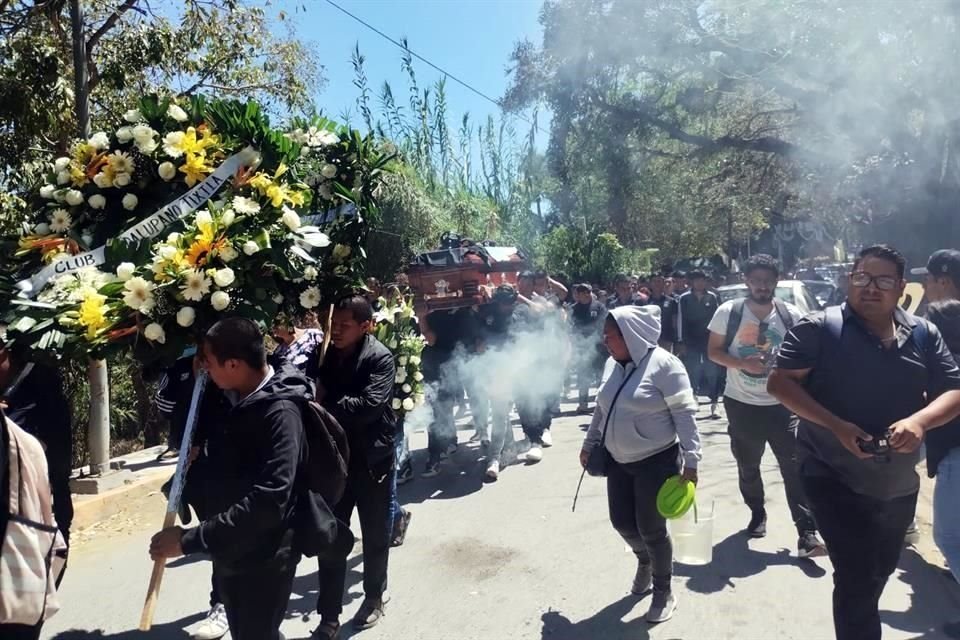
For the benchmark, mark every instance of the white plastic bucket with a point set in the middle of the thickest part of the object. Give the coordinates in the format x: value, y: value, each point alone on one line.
x: 692, y: 536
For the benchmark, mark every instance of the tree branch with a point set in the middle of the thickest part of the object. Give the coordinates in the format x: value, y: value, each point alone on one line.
x: 108, y: 24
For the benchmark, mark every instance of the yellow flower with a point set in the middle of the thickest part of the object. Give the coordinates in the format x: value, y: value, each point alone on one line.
x: 195, y: 168
x: 296, y: 198
x: 83, y: 153
x: 77, y: 175
x: 93, y: 314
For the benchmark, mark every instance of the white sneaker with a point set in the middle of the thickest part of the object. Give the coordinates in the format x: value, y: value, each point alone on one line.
x: 662, y: 608
x: 493, y: 470
x: 547, y: 439
x: 214, y: 626
x: 535, y: 454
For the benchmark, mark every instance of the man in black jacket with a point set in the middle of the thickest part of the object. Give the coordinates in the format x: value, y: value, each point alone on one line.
x: 256, y: 459
x: 587, y: 317
x: 355, y: 384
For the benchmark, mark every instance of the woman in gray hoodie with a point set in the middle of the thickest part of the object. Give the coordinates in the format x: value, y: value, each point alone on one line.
x: 651, y: 435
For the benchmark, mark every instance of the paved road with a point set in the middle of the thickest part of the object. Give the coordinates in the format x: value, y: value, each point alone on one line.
x: 510, y: 560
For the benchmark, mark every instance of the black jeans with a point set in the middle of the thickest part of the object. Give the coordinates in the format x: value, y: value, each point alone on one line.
x: 535, y: 417
x: 20, y: 632
x: 864, y: 536
x: 373, y: 501
x: 751, y: 428
x: 632, y: 498
x: 198, y: 475
x: 256, y: 602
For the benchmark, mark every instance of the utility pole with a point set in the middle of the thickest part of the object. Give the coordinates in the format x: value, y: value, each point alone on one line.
x: 98, y: 429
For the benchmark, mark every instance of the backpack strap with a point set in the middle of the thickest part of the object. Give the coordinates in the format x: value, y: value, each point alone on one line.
x: 833, y: 322
x: 733, y: 322
x: 785, y: 317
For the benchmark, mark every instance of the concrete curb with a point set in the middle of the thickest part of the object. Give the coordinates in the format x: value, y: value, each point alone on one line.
x: 88, y: 510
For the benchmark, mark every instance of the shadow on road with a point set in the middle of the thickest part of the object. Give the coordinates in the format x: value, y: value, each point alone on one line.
x: 166, y: 631
x: 607, y: 623
x: 933, y: 599
x: 733, y: 558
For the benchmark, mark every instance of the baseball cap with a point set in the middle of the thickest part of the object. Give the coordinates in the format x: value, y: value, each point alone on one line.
x: 945, y: 262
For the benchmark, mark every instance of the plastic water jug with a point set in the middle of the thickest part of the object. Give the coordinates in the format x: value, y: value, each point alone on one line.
x: 693, y: 536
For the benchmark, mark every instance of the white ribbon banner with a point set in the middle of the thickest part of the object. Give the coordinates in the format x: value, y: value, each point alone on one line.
x: 147, y: 228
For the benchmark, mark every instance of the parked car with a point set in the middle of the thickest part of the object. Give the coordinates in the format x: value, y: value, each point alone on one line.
x: 820, y: 290
x: 793, y: 291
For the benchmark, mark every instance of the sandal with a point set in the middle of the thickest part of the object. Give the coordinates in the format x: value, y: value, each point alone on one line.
x: 326, y: 631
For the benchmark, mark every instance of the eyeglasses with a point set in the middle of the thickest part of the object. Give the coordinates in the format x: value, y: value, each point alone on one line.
x: 861, y: 279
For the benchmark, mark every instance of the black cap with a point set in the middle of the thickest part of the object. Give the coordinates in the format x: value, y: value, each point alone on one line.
x: 945, y: 262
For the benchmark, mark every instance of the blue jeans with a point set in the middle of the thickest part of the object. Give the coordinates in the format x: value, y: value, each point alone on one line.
x: 946, y: 514
x: 403, y: 457
x: 704, y: 373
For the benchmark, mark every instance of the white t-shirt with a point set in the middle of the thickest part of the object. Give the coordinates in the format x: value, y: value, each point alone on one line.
x: 748, y: 387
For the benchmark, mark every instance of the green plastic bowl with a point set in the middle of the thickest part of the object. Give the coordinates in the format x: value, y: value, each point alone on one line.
x: 675, y: 497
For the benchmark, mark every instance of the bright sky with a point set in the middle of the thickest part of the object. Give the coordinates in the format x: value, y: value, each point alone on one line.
x: 471, y: 39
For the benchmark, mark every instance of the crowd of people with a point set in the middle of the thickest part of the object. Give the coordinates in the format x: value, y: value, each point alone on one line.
x: 844, y: 398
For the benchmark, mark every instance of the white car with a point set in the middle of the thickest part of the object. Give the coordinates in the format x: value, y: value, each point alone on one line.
x: 792, y: 291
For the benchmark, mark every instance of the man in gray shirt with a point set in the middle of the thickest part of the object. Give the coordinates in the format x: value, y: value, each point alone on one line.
x: 867, y: 381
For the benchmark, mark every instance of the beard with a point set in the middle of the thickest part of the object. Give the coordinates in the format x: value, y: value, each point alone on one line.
x: 766, y: 298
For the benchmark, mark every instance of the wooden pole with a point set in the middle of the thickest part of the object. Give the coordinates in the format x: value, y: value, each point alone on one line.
x: 173, y: 501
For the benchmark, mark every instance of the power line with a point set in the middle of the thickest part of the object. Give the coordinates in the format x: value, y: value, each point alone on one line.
x: 416, y: 55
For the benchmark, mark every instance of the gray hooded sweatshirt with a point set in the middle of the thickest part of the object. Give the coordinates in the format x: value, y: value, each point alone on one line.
x: 656, y: 408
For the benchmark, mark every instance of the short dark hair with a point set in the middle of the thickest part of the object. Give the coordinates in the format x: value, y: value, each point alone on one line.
x: 583, y: 288
x: 883, y: 252
x: 620, y: 277
x: 527, y: 275
x: 696, y: 274
x: 945, y: 314
x: 678, y: 274
x: 358, y: 306
x: 237, y: 338
x: 761, y: 261
x: 539, y: 274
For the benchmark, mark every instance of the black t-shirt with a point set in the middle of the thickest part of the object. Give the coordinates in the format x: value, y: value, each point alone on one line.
x: 668, y: 312
x: 861, y: 381
x: 445, y: 325
x: 587, y: 317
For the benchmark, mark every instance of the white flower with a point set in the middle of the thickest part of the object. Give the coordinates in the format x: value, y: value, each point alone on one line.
x: 63, y: 177
x: 174, y: 237
x: 125, y: 270
x: 290, y: 218
x: 46, y: 191
x: 396, y: 404
x: 171, y: 144
x: 341, y: 252
x: 96, y: 201
x: 401, y: 376
x: 393, y: 345
x: 42, y: 229
x: 310, y: 298
x: 250, y: 247
x: 402, y: 361
x: 310, y: 273
x: 124, y: 135
x: 176, y: 113
x: 167, y: 252
x: 228, y: 253
x: 121, y: 162
x: 102, y: 180
x: 406, y: 388
x: 61, y: 164
x: 227, y: 217
x: 419, y: 399
x: 418, y: 376
x: 278, y: 298
x: 99, y: 141
x: 245, y: 205
x: 133, y: 116
x: 130, y: 202
x: 138, y: 294
x: 155, y: 333
x: 224, y: 277
x: 203, y: 218
x: 195, y: 286
x: 143, y: 137
x: 60, y: 220
x: 320, y: 137
x: 414, y: 360
x: 147, y: 147
x: 121, y: 180
x: 220, y: 300
x: 74, y: 197
x: 186, y: 316
x: 328, y: 171
x: 408, y: 404
x: 167, y: 171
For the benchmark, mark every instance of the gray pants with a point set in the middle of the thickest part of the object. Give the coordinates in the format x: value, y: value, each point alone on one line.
x: 751, y: 428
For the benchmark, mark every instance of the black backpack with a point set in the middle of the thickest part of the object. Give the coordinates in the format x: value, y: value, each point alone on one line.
x: 736, y: 316
x: 328, y: 453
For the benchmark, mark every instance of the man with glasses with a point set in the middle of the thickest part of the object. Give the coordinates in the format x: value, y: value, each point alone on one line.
x: 745, y: 336
x: 868, y: 381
